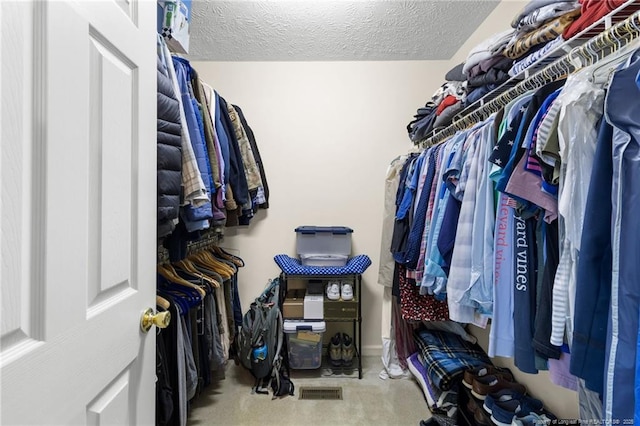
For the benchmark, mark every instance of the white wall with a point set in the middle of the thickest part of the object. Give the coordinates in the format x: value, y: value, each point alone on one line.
x: 326, y: 133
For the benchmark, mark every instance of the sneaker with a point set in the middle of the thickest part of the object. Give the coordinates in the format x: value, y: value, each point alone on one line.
x: 333, y: 290
x: 481, y: 418
x: 347, y: 350
x: 346, y: 290
x: 504, y: 412
x: 501, y: 396
x: 335, y: 350
x: 485, y: 385
x: 534, y: 419
x: 472, y: 405
x: 469, y: 375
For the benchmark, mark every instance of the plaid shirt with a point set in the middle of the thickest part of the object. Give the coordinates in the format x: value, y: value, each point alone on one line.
x: 447, y: 356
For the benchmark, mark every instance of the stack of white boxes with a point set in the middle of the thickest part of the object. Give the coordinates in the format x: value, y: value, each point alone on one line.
x: 314, y: 300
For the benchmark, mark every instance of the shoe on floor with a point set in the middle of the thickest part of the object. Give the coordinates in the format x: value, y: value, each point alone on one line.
x: 482, y: 418
x: 501, y: 396
x: 469, y: 375
x: 504, y: 412
x: 534, y: 419
x: 485, y: 385
x: 473, y: 405
x: 346, y: 290
x: 347, y: 350
x: 333, y: 290
x: 335, y: 350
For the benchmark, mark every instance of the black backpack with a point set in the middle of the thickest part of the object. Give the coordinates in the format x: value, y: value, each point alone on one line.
x: 261, y: 345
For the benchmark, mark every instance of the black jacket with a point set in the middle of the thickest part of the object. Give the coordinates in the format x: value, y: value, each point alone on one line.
x: 169, y: 153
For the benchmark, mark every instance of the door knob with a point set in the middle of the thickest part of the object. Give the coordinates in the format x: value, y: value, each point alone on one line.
x: 160, y: 319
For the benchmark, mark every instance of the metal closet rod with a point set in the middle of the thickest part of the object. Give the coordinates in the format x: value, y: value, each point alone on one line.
x: 209, y: 239
x: 605, y: 43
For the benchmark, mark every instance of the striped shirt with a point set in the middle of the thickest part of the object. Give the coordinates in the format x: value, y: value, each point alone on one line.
x: 461, y: 261
x: 582, y: 105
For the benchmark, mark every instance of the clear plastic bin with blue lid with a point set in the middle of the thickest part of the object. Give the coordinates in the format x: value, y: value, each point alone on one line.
x: 323, y: 245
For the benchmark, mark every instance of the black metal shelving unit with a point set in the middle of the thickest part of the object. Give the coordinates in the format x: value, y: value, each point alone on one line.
x: 355, y: 319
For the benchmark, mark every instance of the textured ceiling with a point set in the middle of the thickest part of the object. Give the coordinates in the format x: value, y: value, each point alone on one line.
x: 330, y: 30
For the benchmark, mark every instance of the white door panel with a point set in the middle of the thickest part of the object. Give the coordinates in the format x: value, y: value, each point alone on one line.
x: 77, y: 162
x: 22, y: 288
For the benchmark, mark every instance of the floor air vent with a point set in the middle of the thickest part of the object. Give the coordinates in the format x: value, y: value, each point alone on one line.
x: 320, y: 392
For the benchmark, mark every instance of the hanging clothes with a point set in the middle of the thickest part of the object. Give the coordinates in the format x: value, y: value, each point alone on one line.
x: 198, y: 339
x: 462, y: 277
x: 195, y: 218
x: 582, y: 107
x: 385, y: 272
x: 169, y: 138
x: 194, y: 191
x: 593, y: 290
x: 213, y: 148
x: 622, y: 332
x: 262, y: 195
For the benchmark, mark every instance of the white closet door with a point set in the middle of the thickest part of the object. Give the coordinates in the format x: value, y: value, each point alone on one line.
x: 77, y: 204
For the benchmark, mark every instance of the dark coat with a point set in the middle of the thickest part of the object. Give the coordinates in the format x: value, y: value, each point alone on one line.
x: 169, y: 153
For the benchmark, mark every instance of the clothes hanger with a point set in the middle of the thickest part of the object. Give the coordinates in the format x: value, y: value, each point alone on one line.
x: 630, y: 29
x: 519, y: 90
x: 617, y: 39
x: 587, y: 52
x: 556, y: 70
x: 168, y: 272
x: 163, y: 303
x: 189, y: 268
x: 553, y: 71
x: 532, y: 83
x: 575, y: 59
x: 546, y: 75
x: 213, y: 275
x: 184, y: 298
x: 586, y: 55
x: 473, y: 117
x: 208, y: 261
x: 537, y: 80
x: 180, y: 301
x: 635, y: 22
x: 488, y: 109
x: 566, y: 67
x: 226, y: 255
x: 619, y: 43
x: 604, y: 69
x: 185, y: 265
x: 497, y: 106
x: 229, y: 264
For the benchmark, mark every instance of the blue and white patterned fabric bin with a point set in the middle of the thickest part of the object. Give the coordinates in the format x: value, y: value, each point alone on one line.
x: 291, y: 266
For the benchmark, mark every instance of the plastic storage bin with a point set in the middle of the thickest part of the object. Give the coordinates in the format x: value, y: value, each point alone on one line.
x: 304, y: 340
x: 323, y: 245
x: 323, y: 259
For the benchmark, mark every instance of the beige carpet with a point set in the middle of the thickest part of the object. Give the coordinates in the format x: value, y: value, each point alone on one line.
x: 370, y: 401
